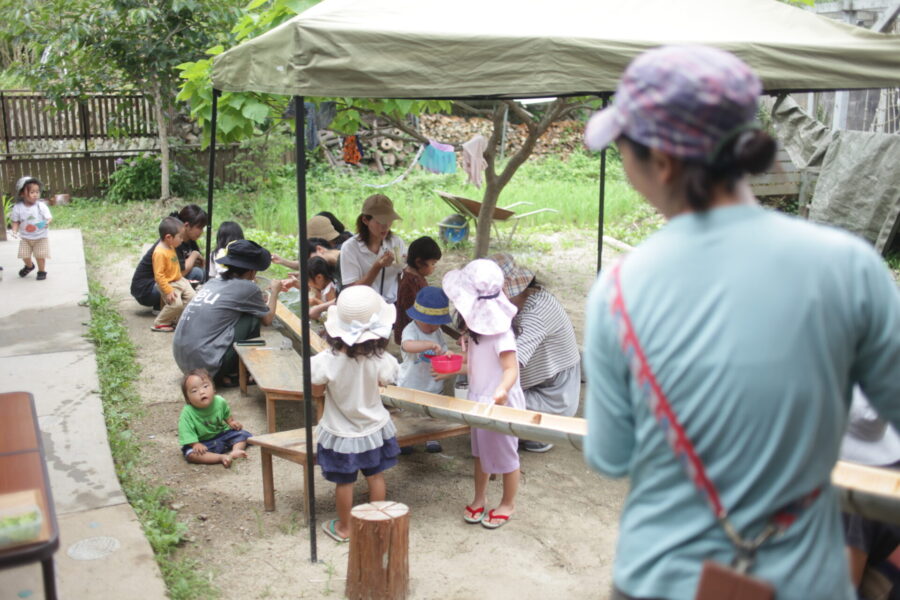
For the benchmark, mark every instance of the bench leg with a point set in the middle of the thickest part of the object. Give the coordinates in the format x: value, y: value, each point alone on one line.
x: 242, y: 376
x: 268, y: 480
x: 270, y: 414
x: 49, y: 579
x: 306, y: 498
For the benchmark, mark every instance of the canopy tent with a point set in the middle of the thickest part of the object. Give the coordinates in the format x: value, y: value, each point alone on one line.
x: 527, y: 48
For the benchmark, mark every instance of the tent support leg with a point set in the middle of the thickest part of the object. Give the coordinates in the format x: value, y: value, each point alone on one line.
x: 212, y: 178
x: 300, y: 147
x: 602, y: 201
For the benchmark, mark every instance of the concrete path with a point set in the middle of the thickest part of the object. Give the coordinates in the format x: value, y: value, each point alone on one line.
x: 103, y: 552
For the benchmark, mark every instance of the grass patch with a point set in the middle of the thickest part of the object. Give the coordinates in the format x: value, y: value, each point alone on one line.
x: 117, y: 370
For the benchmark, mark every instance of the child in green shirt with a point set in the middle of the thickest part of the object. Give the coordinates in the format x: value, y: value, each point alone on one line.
x: 207, y: 432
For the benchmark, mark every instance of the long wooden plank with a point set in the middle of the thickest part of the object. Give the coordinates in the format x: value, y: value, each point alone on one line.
x: 294, y: 325
x: 521, y: 423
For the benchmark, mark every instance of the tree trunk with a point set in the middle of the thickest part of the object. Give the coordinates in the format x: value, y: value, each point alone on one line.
x: 162, y: 126
x: 494, y: 182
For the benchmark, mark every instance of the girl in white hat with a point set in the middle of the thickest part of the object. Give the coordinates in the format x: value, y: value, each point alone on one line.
x: 493, y: 371
x: 356, y: 432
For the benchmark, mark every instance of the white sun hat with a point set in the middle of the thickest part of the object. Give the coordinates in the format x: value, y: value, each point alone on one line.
x: 360, y: 315
x: 870, y: 440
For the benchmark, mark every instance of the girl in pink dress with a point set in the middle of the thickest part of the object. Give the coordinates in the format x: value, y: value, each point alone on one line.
x: 486, y: 317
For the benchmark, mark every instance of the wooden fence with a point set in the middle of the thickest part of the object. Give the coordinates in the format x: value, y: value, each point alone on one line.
x: 27, y: 116
x: 80, y: 175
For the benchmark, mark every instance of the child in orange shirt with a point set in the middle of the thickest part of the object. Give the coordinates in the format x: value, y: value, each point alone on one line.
x: 176, y: 290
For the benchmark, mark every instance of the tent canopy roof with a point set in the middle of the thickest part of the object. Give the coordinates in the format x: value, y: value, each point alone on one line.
x: 531, y: 48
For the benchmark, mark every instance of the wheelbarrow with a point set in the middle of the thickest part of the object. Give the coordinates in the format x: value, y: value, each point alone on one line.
x: 456, y: 229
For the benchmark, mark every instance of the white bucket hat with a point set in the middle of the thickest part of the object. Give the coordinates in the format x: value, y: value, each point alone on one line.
x: 870, y: 440
x: 360, y: 315
x: 476, y: 291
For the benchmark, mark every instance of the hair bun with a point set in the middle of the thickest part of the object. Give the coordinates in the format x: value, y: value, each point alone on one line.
x: 754, y: 151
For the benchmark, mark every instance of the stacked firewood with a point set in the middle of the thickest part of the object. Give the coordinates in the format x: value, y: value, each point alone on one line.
x: 386, y: 148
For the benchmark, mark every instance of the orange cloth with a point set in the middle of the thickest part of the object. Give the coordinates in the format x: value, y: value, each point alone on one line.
x: 165, y: 267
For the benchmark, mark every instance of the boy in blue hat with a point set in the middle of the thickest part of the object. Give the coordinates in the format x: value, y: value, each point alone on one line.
x: 421, y: 339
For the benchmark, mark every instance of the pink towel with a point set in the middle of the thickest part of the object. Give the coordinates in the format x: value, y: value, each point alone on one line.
x: 473, y: 159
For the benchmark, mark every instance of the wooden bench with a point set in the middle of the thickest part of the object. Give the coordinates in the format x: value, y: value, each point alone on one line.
x: 278, y: 373
x: 291, y: 445
x: 23, y: 474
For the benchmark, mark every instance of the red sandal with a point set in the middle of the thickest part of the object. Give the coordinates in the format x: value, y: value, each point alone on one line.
x: 474, y: 516
x: 504, y: 519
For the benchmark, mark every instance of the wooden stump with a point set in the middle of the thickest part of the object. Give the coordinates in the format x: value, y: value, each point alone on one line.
x: 378, y: 567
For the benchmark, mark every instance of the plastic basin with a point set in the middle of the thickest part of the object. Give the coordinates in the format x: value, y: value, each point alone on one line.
x: 448, y: 363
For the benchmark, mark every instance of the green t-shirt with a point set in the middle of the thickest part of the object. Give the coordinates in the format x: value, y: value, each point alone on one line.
x: 196, y: 425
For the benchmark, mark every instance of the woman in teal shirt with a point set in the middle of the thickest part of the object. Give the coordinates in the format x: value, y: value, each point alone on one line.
x: 755, y: 326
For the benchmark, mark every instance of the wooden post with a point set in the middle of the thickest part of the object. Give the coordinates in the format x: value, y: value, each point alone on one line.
x: 378, y: 567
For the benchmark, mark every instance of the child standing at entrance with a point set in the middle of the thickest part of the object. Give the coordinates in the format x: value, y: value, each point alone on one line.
x: 486, y: 317
x: 30, y: 222
x: 176, y: 290
x: 356, y: 432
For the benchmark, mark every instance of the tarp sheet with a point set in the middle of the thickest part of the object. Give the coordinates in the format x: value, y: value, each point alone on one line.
x: 522, y: 48
x: 859, y: 181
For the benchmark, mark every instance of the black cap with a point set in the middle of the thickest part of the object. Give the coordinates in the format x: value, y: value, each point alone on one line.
x: 246, y: 254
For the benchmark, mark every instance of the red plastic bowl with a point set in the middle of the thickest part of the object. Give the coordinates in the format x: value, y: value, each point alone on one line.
x: 448, y: 363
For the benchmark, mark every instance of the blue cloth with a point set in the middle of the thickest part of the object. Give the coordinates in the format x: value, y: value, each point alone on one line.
x: 317, y: 117
x: 222, y: 443
x: 438, y: 158
x: 338, y: 467
x: 757, y: 325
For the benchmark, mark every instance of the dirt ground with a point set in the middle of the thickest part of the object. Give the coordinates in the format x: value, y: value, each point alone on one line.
x: 560, y: 543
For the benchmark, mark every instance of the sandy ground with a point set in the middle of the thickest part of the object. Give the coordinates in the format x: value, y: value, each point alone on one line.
x: 560, y: 542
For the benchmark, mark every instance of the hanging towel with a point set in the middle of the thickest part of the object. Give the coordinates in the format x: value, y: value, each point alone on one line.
x: 352, y: 152
x: 438, y: 158
x: 473, y: 159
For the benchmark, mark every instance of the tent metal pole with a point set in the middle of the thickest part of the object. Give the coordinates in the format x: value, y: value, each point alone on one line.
x: 602, y: 200
x: 212, y: 177
x: 300, y: 147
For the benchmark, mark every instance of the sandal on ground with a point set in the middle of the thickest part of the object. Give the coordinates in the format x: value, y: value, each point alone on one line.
x: 24, y: 271
x: 41, y: 275
x: 504, y: 519
x: 473, y: 515
x: 328, y: 527
x: 162, y: 328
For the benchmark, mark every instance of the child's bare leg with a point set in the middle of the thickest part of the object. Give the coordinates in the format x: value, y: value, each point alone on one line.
x: 209, y: 458
x: 237, y: 451
x: 28, y: 262
x: 508, y: 502
x: 42, y: 262
x: 481, y: 481
x: 377, y: 487
x: 344, y: 500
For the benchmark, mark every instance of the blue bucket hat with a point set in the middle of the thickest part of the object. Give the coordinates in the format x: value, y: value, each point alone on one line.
x: 432, y: 306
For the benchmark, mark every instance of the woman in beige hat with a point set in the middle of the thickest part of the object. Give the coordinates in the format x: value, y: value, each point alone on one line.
x: 374, y: 256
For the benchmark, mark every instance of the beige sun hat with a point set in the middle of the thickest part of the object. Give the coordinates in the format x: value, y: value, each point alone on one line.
x: 321, y: 227
x: 360, y: 315
x: 380, y: 207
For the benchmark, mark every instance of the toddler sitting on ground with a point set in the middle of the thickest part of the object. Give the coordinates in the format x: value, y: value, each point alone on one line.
x: 207, y: 432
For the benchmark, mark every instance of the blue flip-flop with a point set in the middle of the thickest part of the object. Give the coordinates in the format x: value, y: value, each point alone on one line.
x: 328, y: 527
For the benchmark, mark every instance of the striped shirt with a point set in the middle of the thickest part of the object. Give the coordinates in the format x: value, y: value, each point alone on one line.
x: 546, y: 344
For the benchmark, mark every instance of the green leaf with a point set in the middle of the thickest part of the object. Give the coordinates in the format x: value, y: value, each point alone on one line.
x: 216, y: 50
x: 255, y: 111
